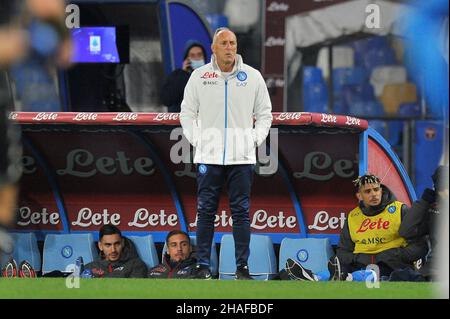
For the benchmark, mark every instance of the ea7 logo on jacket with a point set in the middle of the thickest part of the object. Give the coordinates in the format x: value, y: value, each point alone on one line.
x: 367, y: 224
x: 209, y: 75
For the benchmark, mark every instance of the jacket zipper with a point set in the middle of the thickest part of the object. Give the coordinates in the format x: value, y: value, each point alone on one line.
x: 226, y: 122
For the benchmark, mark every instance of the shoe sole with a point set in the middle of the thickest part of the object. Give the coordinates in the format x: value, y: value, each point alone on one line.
x: 26, y: 272
x: 337, y: 271
x: 307, y: 277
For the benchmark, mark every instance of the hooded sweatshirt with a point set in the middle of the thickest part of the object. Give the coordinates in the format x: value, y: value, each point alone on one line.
x: 226, y: 117
x: 168, y: 269
x: 173, y: 87
x: 128, y: 266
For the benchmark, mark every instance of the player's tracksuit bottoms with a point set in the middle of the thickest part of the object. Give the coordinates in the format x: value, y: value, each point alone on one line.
x: 210, y: 179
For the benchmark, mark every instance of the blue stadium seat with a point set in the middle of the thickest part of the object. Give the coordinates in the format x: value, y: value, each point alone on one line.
x: 25, y: 248
x: 214, y: 260
x: 261, y: 262
x: 379, y: 126
x: 394, y: 132
x: 312, y: 253
x: 61, y: 251
x: 312, y: 74
x: 347, y: 76
x: 375, y: 42
x: 146, y: 249
x: 315, y: 98
x: 366, y: 108
x: 378, y: 57
x: 339, y: 107
x: 409, y: 110
x: 217, y: 20
x: 357, y: 93
x: 360, y: 47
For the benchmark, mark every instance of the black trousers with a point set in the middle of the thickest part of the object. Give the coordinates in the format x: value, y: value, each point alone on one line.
x: 210, y: 180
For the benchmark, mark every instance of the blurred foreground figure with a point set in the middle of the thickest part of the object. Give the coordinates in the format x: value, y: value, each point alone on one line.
x: 427, y: 29
x: 49, y: 46
x: 13, y: 44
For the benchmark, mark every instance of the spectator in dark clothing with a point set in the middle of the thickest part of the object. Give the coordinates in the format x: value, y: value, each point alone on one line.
x: 372, y: 237
x: 118, y: 257
x: 423, y: 219
x: 178, y: 261
x: 173, y: 88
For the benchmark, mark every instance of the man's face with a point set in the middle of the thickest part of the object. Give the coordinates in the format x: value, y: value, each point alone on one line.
x: 370, y: 194
x: 111, y: 246
x: 225, y: 47
x: 196, y: 53
x: 179, y: 248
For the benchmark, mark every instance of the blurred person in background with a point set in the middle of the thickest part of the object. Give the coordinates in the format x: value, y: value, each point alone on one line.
x: 173, y: 88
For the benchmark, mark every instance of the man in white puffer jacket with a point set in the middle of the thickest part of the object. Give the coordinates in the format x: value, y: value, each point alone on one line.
x: 225, y: 114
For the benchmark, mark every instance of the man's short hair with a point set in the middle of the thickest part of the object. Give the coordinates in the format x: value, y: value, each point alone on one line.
x: 366, y: 179
x: 218, y: 30
x: 109, y: 230
x: 177, y: 232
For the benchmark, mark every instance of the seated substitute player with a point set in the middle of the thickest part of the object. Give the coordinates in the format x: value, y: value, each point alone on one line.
x: 178, y: 261
x: 118, y: 257
x: 370, y: 236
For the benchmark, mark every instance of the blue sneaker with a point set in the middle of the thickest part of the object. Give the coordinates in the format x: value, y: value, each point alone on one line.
x: 87, y: 273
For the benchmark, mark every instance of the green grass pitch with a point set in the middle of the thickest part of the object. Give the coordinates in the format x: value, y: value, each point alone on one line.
x: 55, y: 288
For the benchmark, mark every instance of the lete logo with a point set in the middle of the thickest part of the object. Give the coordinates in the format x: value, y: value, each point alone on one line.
x: 369, y: 224
x: 314, y: 161
x: 209, y: 75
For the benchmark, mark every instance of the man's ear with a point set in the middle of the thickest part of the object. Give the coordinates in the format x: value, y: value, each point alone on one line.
x: 358, y: 196
x: 99, y: 244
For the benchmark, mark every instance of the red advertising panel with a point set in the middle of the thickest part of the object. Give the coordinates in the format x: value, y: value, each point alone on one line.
x: 322, y: 167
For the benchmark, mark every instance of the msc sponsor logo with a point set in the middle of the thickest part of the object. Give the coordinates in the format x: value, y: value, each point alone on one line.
x: 373, y: 240
x: 210, y: 82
